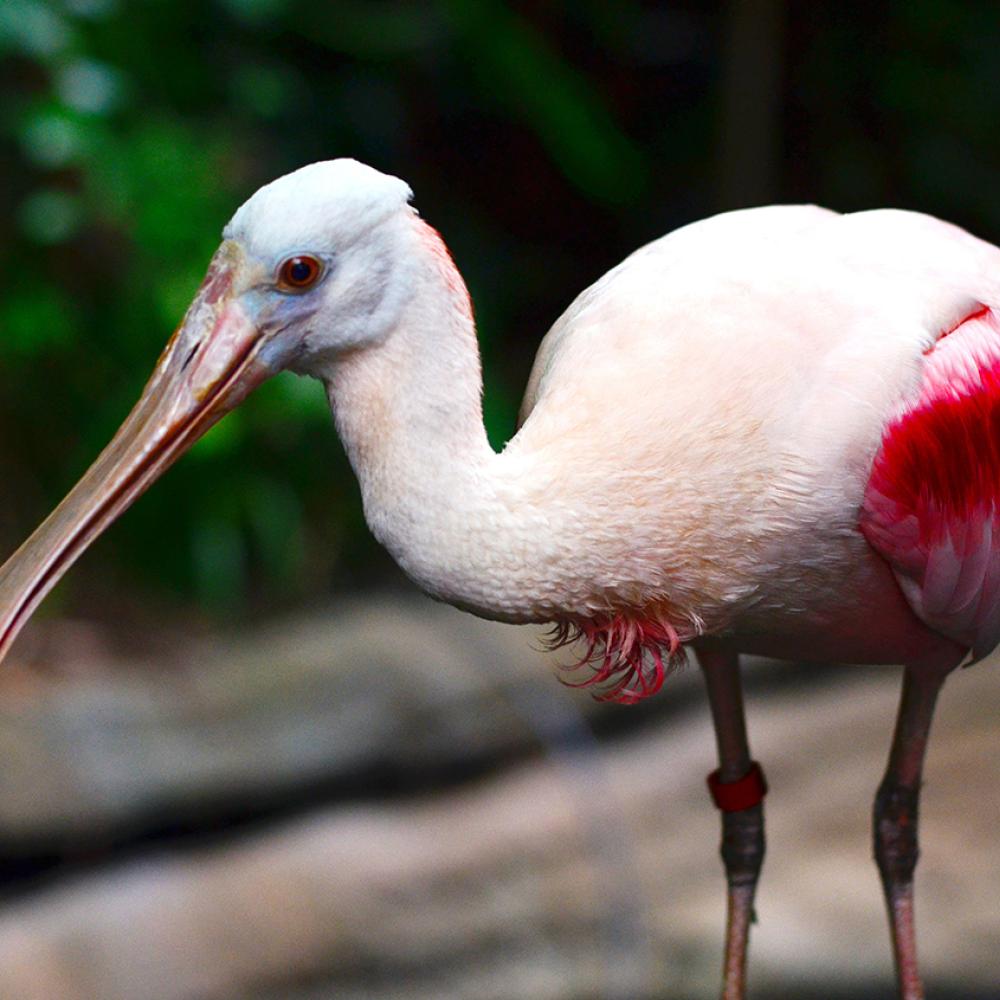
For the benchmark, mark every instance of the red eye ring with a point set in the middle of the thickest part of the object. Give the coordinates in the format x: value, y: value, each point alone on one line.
x: 299, y: 272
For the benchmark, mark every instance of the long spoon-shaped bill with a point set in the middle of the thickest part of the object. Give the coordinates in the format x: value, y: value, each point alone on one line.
x: 209, y: 366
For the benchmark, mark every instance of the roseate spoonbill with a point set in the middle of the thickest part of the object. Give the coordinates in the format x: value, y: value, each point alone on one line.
x: 775, y: 431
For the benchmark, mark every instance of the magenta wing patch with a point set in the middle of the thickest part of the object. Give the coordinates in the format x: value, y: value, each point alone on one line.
x: 932, y: 504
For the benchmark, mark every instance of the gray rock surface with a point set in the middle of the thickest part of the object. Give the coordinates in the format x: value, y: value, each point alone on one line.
x: 404, y: 686
x: 587, y: 870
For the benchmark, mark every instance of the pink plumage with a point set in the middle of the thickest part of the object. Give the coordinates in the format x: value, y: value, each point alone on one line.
x: 629, y: 656
x: 931, y: 505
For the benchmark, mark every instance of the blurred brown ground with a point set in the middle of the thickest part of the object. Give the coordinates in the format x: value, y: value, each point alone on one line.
x: 474, y: 839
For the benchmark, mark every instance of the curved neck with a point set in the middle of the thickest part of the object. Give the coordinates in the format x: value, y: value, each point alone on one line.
x: 409, y: 412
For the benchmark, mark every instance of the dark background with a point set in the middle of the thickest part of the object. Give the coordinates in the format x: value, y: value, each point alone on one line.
x: 545, y: 140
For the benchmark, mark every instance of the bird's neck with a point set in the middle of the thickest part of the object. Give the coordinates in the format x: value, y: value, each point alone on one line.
x: 409, y: 412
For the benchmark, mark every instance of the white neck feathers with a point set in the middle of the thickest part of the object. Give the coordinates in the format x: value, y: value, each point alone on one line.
x: 409, y: 411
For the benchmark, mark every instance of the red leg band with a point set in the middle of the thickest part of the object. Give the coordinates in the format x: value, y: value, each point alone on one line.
x: 734, y: 796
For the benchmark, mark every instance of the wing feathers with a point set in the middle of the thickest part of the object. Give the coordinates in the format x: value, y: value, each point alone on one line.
x: 932, y: 504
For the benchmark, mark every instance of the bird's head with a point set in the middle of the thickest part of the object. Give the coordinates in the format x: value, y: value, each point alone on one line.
x: 310, y: 267
x: 313, y: 264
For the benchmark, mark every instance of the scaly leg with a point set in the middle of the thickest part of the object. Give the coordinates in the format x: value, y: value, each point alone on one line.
x: 895, y: 818
x: 738, y: 789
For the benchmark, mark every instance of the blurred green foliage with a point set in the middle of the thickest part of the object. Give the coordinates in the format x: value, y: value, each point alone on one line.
x: 131, y: 132
x: 544, y: 140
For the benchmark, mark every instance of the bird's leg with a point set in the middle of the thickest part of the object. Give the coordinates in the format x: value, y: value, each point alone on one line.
x: 738, y: 789
x: 895, y: 819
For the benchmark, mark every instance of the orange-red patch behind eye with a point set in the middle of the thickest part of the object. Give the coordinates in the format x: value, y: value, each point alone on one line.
x: 298, y: 273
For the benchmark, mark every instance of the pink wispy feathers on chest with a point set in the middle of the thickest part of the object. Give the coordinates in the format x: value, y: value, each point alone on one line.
x: 630, y: 656
x: 931, y: 504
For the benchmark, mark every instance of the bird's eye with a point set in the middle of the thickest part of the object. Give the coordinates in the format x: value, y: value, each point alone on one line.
x: 298, y: 273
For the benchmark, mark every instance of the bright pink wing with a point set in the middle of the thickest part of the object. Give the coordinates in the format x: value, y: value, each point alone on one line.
x: 932, y: 504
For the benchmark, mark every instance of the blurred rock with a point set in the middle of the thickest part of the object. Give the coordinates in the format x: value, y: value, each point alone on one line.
x: 390, y: 688
x: 590, y: 874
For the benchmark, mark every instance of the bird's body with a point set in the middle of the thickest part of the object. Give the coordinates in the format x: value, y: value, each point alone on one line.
x: 697, y: 434
x: 774, y: 431
x: 724, y: 392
